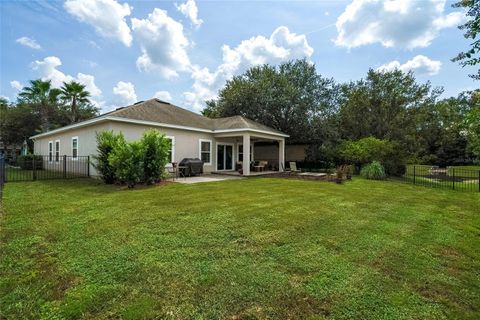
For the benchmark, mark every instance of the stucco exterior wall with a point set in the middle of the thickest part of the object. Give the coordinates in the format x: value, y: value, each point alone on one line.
x: 186, y: 143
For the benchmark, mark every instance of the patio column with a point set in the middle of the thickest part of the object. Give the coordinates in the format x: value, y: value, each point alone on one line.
x: 281, y: 155
x: 246, y: 155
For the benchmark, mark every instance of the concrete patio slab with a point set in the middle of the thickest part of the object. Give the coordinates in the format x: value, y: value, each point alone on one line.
x: 206, y: 178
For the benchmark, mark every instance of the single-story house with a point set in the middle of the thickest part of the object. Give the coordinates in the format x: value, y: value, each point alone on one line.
x: 222, y: 144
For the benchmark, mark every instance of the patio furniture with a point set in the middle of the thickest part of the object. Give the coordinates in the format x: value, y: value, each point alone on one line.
x: 293, y: 167
x: 260, y: 166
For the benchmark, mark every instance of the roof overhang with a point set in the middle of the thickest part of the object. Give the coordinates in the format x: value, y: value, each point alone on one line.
x: 153, y: 124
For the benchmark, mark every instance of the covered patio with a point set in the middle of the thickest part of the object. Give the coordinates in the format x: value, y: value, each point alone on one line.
x: 232, y: 148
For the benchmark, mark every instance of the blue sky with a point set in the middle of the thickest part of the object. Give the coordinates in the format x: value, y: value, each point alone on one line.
x: 184, y: 51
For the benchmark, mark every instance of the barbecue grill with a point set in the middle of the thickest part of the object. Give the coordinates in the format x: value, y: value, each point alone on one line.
x: 191, y: 166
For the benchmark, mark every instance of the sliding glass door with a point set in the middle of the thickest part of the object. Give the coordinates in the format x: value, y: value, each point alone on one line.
x: 224, y: 156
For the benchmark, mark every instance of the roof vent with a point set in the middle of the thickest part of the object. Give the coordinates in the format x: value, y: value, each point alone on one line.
x: 161, y: 101
x: 120, y: 108
x: 138, y: 102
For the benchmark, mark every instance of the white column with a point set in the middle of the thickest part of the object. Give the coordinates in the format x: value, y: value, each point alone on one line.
x: 281, y: 155
x: 246, y: 154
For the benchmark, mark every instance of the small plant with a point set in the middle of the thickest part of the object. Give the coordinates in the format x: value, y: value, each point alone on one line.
x: 106, y: 143
x: 155, y: 149
x: 373, y: 171
x: 339, y: 174
x: 127, y: 161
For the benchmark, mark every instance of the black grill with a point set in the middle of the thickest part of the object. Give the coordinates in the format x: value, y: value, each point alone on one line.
x: 191, y: 166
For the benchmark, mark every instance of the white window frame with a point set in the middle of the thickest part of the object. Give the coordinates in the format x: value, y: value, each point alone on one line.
x: 50, y: 151
x: 200, y: 150
x: 75, y: 138
x: 57, y: 158
x: 172, y: 139
x: 251, y: 151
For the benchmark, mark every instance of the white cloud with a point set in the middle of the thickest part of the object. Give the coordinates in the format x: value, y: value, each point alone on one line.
x: 403, y: 23
x: 28, y: 42
x: 281, y: 46
x: 163, y: 95
x: 16, y: 85
x: 163, y: 44
x: 47, y: 70
x: 125, y: 92
x: 106, y: 16
x: 190, y: 10
x: 419, y: 64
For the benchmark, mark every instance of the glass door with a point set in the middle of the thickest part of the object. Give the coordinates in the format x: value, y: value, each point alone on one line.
x: 224, y: 157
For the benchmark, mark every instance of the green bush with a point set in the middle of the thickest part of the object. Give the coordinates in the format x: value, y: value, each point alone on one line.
x: 25, y: 162
x: 155, y: 151
x: 373, y: 171
x: 106, y: 143
x: 127, y: 162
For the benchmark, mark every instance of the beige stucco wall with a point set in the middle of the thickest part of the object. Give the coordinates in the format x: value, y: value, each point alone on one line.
x: 186, y: 143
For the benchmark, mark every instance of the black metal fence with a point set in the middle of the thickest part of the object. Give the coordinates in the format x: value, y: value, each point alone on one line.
x: 2, y: 175
x: 455, y: 178
x: 31, y: 168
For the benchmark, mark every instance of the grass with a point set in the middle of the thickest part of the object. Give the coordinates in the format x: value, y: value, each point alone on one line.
x: 240, y: 249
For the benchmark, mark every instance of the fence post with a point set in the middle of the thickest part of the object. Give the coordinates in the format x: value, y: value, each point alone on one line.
x: 88, y: 166
x: 453, y: 178
x: 34, y: 167
x: 413, y: 174
x: 64, y: 166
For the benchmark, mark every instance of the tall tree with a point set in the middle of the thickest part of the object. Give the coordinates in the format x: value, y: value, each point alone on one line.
x: 382, y: 106
x: 290, y: 98
x: 75, y: 94
x: 472, y: 29
x: 44, y: 97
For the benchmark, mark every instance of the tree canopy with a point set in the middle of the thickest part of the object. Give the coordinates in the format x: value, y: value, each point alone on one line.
x: 290, y: 98
x: 472, y: 30
x: 41, y: 107
x: 388, y: 107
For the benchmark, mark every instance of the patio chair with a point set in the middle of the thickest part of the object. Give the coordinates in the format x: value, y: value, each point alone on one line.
x: 293, y: 167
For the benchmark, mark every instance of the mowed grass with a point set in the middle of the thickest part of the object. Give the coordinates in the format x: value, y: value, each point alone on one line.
x: 240, y: 249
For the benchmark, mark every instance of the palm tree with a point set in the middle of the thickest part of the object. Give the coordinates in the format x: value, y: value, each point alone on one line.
x: 75, y: 93
x: 41, y: 95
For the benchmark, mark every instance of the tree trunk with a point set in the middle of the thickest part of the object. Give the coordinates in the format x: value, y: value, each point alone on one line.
x: 74, y: 109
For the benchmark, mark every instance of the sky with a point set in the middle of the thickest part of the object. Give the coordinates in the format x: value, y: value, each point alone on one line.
x: 185, y: 51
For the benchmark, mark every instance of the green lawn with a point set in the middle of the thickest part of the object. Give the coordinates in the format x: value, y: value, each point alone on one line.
x: 239, y: 249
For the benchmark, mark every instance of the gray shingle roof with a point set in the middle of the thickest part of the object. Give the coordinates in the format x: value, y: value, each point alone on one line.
x: 163, y: 112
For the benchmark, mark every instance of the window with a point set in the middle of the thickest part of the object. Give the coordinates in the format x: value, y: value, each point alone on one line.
x: 75, y: 148
x: 57, y: 150
x: 50, y: 151
x: 171, y: 152
x: 240, y: 152
x: 205, y: 147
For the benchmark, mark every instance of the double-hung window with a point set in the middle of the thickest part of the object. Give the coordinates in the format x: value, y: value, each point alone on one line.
x: 75, y: 148
x: 205, y: 147
x: 50, y: 151
x: 57, y: 150
x: 171, y: 151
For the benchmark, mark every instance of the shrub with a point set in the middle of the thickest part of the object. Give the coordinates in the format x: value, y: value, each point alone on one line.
x: 25, y: 162
x: 373, y: 171
x: 155, y: 150
x: 106, y: 143
x: 127, y: 161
